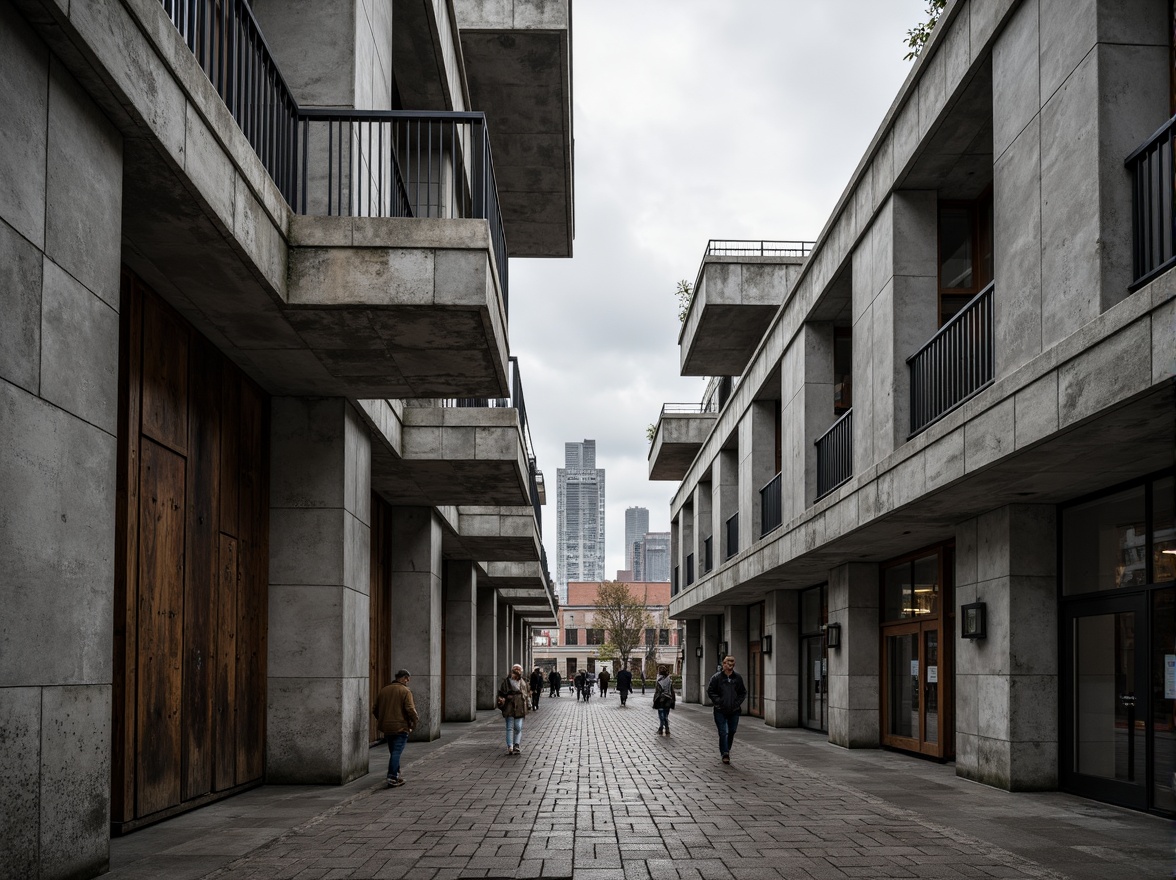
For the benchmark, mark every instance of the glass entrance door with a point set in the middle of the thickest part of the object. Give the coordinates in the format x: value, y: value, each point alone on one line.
x: 1107, y: 699
x: 814, y: 668
x: 913, y: 688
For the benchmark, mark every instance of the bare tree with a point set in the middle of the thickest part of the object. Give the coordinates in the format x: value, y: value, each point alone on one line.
x: 623, y: 617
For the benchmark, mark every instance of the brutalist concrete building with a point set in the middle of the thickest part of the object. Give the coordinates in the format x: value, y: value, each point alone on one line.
x: 261, y: 437
x: 930, y: 505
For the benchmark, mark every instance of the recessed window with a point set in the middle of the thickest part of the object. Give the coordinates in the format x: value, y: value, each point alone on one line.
x: 965, y: 253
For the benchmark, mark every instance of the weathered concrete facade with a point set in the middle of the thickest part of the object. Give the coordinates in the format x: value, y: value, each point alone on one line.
x: 375, y: 545
x: 1019, y: 116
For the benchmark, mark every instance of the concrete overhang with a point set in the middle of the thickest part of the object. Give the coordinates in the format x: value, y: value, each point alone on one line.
x: 498, y: 533
x: 523, y: 586
x: 734, y: 301
x: 518, y: 62
x: 676, y: 441
x: 454, y: 455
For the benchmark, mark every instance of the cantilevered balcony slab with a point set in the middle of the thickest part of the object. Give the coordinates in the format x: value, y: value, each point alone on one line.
x: 523, y: 586
x: 735, y: 298
x: 507, y: 534
x: 455, y: 456
x: 681, y: 431
x: 517, y: 56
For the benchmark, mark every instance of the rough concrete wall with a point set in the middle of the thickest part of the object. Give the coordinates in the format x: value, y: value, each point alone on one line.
x: 703, y: 523
x: 806, y: 378
x: 726, y: 483
x: 692, y: 664
x: 1006, y: 685
x: 488, y: 646
x: 373, y: 55
x: 853, y: 668
x: 319, y: 617
x: 60, y: 207
x: 782, y: 667
x: 314, y: 44
x: 461, y: 641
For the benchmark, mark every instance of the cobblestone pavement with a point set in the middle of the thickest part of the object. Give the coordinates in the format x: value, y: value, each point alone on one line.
x: 597, y: 795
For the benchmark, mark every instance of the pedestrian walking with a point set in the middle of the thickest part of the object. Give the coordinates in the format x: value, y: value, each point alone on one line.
x: 513, y: 698
x: 664, y: 699
x: 396, y: 716
x: 536, y: 684
x: 604, y: 678
x: 727, y: 693
x: 579, y: 682
x: 555, y: 681
x: 624, y: 684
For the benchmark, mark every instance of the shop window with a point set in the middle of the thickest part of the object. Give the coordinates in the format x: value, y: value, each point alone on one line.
x: 1163, y: 530
x: 1104, y: 543
x: 911, y: 588
x: 965, y: 253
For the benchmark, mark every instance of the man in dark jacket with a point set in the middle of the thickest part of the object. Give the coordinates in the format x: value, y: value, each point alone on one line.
x: 555, y: 680
x: 579, y: 682
x: 604, y: 678
x: 536, y: 684
x: 624, y: 684
x: 727, y: 693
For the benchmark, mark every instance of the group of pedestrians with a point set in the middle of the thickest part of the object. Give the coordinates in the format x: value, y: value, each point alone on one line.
x: 396, y: 715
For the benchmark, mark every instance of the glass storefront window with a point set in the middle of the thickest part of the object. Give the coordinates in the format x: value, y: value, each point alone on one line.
x: 925, y: 589
x: 897, y: 589
x: 1164, y: 530
x: 1163, y: 664
x: 1104, y: 543
x: 911, y: 589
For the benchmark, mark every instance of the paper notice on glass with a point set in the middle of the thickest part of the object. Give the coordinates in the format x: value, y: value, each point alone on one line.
x: 914, y: 669
x: 1170, y: 676
x: 817, y: 670
x: 932, y: 674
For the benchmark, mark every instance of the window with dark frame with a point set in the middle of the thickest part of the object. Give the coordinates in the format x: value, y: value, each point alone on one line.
x: 571, y: 637
x: 965, y: 252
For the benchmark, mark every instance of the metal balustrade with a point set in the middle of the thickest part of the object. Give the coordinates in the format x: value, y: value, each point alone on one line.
x: 835, y: 455
x: 954, y: 364
x: 732, y: 529
x: 770, y: 506
x: 342, y: 162
x: 745, y: 248
x: 1153, y: 205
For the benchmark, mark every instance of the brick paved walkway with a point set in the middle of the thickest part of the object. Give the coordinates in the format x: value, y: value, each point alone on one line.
x: 598, y: 796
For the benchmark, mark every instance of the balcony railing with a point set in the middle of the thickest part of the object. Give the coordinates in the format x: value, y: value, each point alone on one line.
x: 732, y: 528
x: 1153, y: 216
x: 689, y: 569
x: 770, y: 507
x: 708, y: 559
x: 683, y: 409
x: 835, y: 455
x: 956, y: 363
x: 742, y: 248
x: 339, y: 162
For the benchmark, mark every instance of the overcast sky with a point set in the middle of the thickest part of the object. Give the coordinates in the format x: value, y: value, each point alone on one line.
x: 694, y: 119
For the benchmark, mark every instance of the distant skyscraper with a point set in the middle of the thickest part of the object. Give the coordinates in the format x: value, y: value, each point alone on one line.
x: 580, y: 511
x: 636, y: 525
x: 654, y: 558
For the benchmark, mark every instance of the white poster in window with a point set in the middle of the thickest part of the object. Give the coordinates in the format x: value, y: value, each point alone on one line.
x: 1170, y: 676
x: 914, y: 669
x: 932, y: 674
x: 817, y: 670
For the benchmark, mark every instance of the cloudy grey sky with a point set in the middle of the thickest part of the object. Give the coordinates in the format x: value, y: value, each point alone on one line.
x: 694, y: 119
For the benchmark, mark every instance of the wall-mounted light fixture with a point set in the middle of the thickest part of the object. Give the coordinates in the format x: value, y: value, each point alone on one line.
x: 974, y: 621
x: 766, y: 645
x: 833, y: 635
x: 723, y: 650
x: 698, y: 652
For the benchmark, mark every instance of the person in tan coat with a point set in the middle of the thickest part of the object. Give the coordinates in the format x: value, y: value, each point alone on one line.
x: 396, y: 716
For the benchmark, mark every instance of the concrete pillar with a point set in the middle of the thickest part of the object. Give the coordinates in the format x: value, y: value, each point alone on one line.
x: 806, y: 377
x: 757, y: 465
x: 781, y: 669
x: 461, y: 641
x: 686, y: 547
x: 853, y: 668
x: 703, y: 526
x: 320, y: 514
x: 417, y: 610
x: 1007, y: 684
x: 725, y: 481
x: 895, y: 311
x: 502, y: 659
x: 711, y: 636
x: 692, y: 664
x: 735, y: 635
x: 60, y: 248
x: 487, y: 646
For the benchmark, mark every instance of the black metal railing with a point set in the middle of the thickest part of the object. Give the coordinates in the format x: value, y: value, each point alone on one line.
x: 732, y: 529
x: 681, y: 409
x: 1153, y: 205
x: 770, y: 506
x: 835, y: 455
x: 341, y: 162
x: 743, y: 248
x: 708, y: 558
x: 689, y: 569
x: 954, y: 364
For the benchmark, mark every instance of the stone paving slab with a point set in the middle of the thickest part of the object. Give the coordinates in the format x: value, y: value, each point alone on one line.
x: 597, y: 795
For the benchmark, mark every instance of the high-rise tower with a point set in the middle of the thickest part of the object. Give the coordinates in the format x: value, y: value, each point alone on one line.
x: 636, y: 525
x: 580, y: 512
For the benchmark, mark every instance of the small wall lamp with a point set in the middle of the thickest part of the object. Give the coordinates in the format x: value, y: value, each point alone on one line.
x: 833, y: 635
x: 698, y: 652
x: 766, y: 645
x: 974, y: 621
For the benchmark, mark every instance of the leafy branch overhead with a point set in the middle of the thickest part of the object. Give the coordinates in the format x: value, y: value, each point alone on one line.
x: 684, y: 292
x: 917, y: 36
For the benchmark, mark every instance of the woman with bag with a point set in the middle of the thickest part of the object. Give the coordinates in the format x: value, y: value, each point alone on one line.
x: 513, y: 699
x: 664, y: 699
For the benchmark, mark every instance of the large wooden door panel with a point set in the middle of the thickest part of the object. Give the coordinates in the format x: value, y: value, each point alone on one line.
x: 225, y: 698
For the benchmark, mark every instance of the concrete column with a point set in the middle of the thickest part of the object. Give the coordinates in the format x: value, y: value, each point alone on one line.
x: 320, y: 500
x: 461, y: 641
x: 711, y: 636
x: 487, y: 646
x: 686, y: 546
x: 1007, y: 684
x: 417, y: 610
x: 725, y: 481
x: 757, y: 465
x: 735, y: 635
x: 703, y: 525
x: 853, y: 668
x: 691, y: 664
x: 895, y: 310
x: 502, y: 660
x: 781, y: 669
x: 60, y: 248
x: 806, y: 377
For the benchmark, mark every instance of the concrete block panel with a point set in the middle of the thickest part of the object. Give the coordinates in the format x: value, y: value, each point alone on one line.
x: 1033, y: 766
x: 992, y: 762
x: 906, y: 135
x: 1137, y: 22
x: 315, y: 48
x: 1035, y: 410
x: 24, y: 89
x: 989, y: 437
x: 944, y: 459
x: 1163, y: 325
x: 322, y: 711
x: 985, y: 19
x: 75, y: 780
x: 20, y: 763
x: 967, y: 705
x: 56, y: 556
x: 967, y: 551
x: 459, y: 443
x: 967, y: 754
x: 83, y: 189
x: 1033, y: 708
x: 932, y: 90
x: 1017, y: 250
x: 20, y: 332
x: 307, y: 630
x: 914, y: 234
x: 993, y: 700
x: 1068, y: 32
x: 356, y: 551
x: 992, y: 544
x: 1110, y: 371
x: 306, y: 546
x: 79, y: 349
x: 957, y: 52
x: 373, y: 276
x: 209, y: 167
x: 357, y: 483
x: 356, y: 635
x: 255, y: 231
x: 460, y: 276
